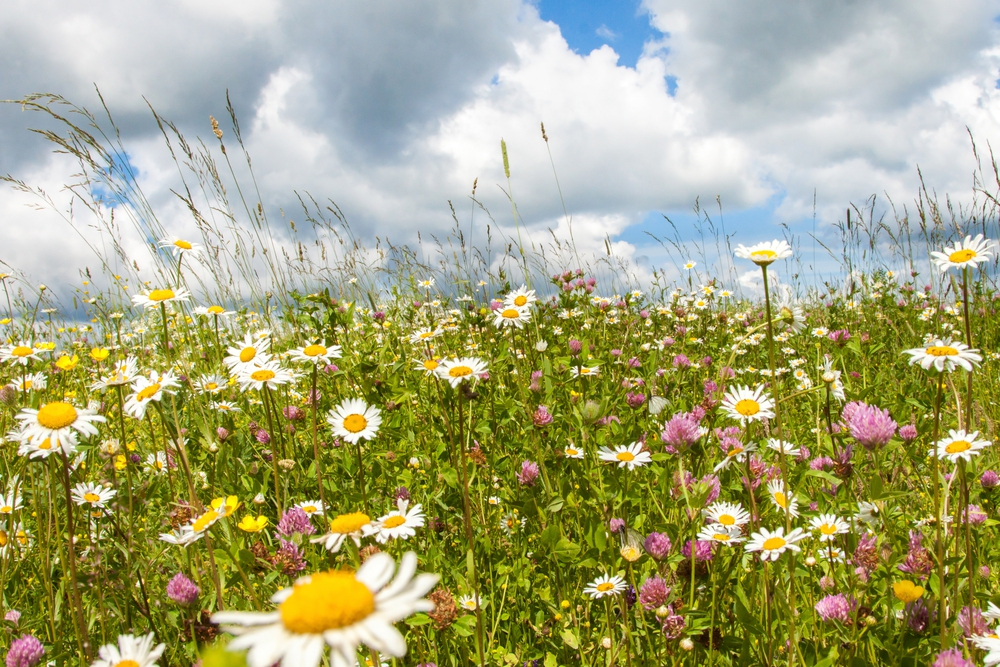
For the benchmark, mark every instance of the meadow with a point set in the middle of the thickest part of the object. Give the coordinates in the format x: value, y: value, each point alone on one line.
x: 507, y: 456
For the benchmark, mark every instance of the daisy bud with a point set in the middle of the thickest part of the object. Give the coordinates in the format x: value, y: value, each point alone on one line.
x: 663, y: 612
x: 606, y: 643
x: 687, y: 644
x: 259, y: 499
x: 810, y: 561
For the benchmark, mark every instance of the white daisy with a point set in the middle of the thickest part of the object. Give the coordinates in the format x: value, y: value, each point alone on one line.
x: 829, y: 526
x: 399, y: 523
x: 747, y: 405
x: 944, y: 356
x: 253, y: 351
x: 130, y: 651
x: 423, y: 335
x: 338, y: 608
x: 311, y: 507
x: 179, y: 246
x: 783, y: 445
x: 520, y: 297
x: 959, y: 445
x: 157, y: 463
x: 427, y: 366
x: 210, y: 384
x: 355, y: 420
x: 181, y: 538
x: 316, y: 353
x: 970, y: 252
x: 60, y: 423
x: 571, y: 452
x: 605, y: 585
x: 125, y: 372
x: 772, y: 544
x: 30, y: 382
x: 155, y: 298
x: 269, y: 374
x: 149, y: 389
x: 626, y: 455
x: 354, y: 525
x: 94, y: 495
x: 729, y: 515
x: 511, y: 316
x: 585, y: 371
x: 763, y: 254
x: 738, y: 452
x: 782, y: 498
x: 716, y: 533
x: 213, y: 311
x: 470, y: 602
x: 20, y: 353
x: 462, y: 369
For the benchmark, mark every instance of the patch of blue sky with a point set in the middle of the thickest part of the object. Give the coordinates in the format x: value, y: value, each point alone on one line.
x: 122, y: 173
x: 589, y: 24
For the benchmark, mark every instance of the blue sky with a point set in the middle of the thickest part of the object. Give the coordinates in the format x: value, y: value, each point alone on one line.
x: 588, y: 25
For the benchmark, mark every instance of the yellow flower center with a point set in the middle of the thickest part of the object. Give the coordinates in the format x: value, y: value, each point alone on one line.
x: 605, y: 587
x: 942, y: 351
x: 520, y: 300
x: 727, y: 520
x: 779, y: 498
x: 963, y: 255
x: 426, y: 334
x: 27, y: 384
x: 147, y: 393
x: 184, y: 245
x: 329, y: 601
x: 263, y: 375
x: 828, y: 529
x: 585, y: 371
x: 22, y: 351
x: 430, y: 364
x: 247, y: 354
x: 572, y: 452
x: 958, y: 446
x: 56, y: 415
x: 308, y: 509
x: 127, y: 663
x: 161, y: 295
x: 747, y: 407
x: 314, y: 350
x: 355, y: 423
x: 510, y: 314
x: 394, y: 521
x: 205, y: 520
x: 772, y: 543
x: 211, y: 386
x: 91, y: 497
x: 735, y: 451
x: 4, y: 538
x: 625, y: 456
x: 215, y: 310
x: 459, y: 371
x: 46, y: 444
x: 720, y: 537
x: 6, y: 509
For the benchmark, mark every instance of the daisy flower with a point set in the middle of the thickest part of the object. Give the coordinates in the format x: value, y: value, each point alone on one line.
x: 154, y: 298
x: 157, y: 463
x: 421, y: 335
x: 213, y: 311
x: 355, y: 420
x: 459, y: 370
x: 210, y: 384
x: 959, y: 445
x: 10, y: 503
x: 399, y: 523
x: 354, y: 525
x: 469, y: 602
x: 783, y: 445
x: 511, y: 316
x: 790, y: 315
x: 30, y: 382
x: 772, y: 544
x: 130, y: 651
x: 605, y: 585
x: 252, y: 351
x: 782, y: 498
x: 747, y: 405
x: 832, y: 554
x: 20, y: 353
x: 225, y: 406
x: 94, y: 495
x: 944, y: 356
x: 626, y: 455
x: 716, y: 533
x: 148, y: 390
x: 316, y: 353
x: 427, y: 283
x: 738, y: 452
x: 571, y: 452
x: 520, y: 297
x: 970, y: 252
x: 829, y: 526
x: 729, y: 515
x: 269, y: 374
x: 311, y: 507
x: 868, y: 512
x: 126, y: 371
x: 179, y: 246
x: 585, y: 371
x: 428, y: 366
x: 39, y: 450
x: 509, y: 523
x: 763, y: 254
x: 338, y: 608
x: 60, y: 423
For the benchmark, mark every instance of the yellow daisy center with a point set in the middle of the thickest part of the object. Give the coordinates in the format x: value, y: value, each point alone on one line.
x: 520, y: 300
x: 147, y: 393
x: 942, y: 351
x: 779, y: 498
x: 313, y: 350
x: 6, y: 509
x: 394, y: 521
x: 469, y: 604
x: 571, y: 452
x: 747, y: 407
x: 727, y: 520
x: 828, y: 529
x: 605, y: 587
x: 22, y: 351
x: 247, y: 354
x: 585, y: 371
x: 625, y: 456
x: 204, y: 521
x: 958, y: 446
x: 46, y: 444
x: 263, y: 375
x: 91, y: 497
x: 772, y: 543
x: 735, y: 451
x: 4, y: 538
x: 459, y: 371
x: 27, y: 384
x: 720, y: 537
x: 211, y: 386
x: 215, y: 310
x: 963, y: 255
x: 329, y: 601
x: 182, y: 244
x: 355, y: 423
x: 127, y: 663
x: 56, y: 415
x: 766, y: 253
x: 510, y: 314
x: 430, y: 364
x: 161, y: 295
x: 308, y: 509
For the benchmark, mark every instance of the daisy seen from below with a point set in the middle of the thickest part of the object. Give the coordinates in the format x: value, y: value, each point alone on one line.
x: 783, y: 446
x: 179, y: 246
x: 585, y: 371
x: 427, y: 366
x: 469, y: 602
x: 252, y: 351
x: 157, y: 297
x: 183, y: 537
x: 422, y: 335
x: 829, y: 526
x: 737, y: 452
x: 729, y: 515
x: 20, y: 353
x: 520, y: 297
x: 91, y: 494
x: 354, y: 525
x: 970, y: 252
x: 772, y: 544
x: 511, y: 316
x: 60, y: 423
x: 30, y: 382
x: 125, y: 372
x: 605, y: 585
x: 354, y: 420
x: 462, y: 369
x: 148, y: 389
x: 747, y: 405
x: 765, y: 253
x: 630, y: 456
x: 130, y: 651
x: 213, y: 311
x: 337, y: 608
x: 782, y: 498
x: 944, y: 355
x: 399, y: 523
x: 157, y: 463
x: 959, y: 445
x: 269, y: 374
x: 210, y: 384
x: 716, y: 533
x: 316, y: 353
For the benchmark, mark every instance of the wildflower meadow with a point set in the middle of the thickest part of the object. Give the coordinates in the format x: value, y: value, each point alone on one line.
x: 256, y: 451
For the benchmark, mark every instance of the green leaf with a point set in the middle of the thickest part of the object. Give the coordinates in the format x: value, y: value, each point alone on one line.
x: 570, y: 639
x: 565, y: 550
x: 555, y: 505
x: 550, y: 660
x: 418, y: 619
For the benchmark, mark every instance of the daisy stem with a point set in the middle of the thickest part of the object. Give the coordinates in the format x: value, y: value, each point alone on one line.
x: 274, y: 455
x: 361, y: 478
x: 937, y: 510
x: 315, y: 408
x: 968, y: 532
x: 611, y: 631
x: 968, y: 341
x: 467, y: 516
x: 166, y: 342
x: 83, y: 640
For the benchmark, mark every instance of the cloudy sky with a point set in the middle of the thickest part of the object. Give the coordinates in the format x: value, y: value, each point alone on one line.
x: 394, y: 107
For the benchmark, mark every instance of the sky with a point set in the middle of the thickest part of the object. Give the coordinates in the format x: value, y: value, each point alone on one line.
x: 771, y: 117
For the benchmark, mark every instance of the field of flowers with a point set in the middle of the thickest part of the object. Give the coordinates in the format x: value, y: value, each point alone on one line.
x: 452, y: 467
